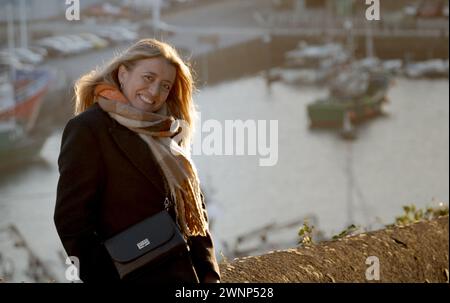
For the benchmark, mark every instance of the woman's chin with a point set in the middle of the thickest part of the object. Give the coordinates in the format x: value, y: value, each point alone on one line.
x: 143, y: 106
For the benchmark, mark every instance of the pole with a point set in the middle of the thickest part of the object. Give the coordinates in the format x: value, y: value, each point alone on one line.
x: 23, y: 24
x: 369, y: 42
x: 10, y: 33
x: 10, y: 26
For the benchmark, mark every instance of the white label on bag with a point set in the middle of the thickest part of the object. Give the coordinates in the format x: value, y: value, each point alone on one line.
x: 143, y: 243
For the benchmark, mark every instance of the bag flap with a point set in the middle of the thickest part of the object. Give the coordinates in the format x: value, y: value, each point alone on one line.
x: 141, y: 237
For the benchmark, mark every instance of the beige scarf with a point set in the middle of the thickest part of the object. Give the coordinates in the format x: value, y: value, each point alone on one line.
x: 179, y: 171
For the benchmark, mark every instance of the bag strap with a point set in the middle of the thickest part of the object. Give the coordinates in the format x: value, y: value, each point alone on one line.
x: 167, y: 202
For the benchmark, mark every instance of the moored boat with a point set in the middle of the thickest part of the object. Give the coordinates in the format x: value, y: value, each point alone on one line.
x: 30, y: 86
x: 316, y: 56
x: 17, y: 142
x: 359, y: 102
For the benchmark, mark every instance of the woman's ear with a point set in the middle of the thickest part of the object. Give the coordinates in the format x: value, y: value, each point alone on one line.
x: 122, y: 74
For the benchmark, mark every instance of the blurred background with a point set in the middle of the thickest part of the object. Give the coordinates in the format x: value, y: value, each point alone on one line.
x: 362, y: 109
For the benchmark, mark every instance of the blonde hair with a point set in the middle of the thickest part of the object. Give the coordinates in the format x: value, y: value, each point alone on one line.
x: 179, y: 101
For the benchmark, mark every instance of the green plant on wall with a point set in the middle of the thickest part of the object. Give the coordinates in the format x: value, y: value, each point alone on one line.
x: 412, y: 214
x: 305, y: 233
x: 348, y: 231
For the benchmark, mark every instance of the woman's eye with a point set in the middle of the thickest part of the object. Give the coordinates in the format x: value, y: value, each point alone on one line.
x: 148, y: 78
x: 166, y: 87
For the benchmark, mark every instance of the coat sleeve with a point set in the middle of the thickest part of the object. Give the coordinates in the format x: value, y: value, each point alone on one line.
x: 202, y: 253
x: 76, y: 209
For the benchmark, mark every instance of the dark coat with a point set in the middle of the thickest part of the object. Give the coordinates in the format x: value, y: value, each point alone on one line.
x: 109, y: 181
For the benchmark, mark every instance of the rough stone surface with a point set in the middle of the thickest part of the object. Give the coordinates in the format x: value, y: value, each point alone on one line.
x: 414, y: 253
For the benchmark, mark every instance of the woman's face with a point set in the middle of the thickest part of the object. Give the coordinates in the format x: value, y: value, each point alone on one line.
x: 148, y: 83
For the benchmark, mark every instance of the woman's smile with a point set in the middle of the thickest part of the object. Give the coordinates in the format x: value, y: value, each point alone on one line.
x: 145, y: 99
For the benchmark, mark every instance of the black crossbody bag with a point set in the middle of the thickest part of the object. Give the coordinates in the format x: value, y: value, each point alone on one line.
x: 145, y: 245
x: 148, y: 243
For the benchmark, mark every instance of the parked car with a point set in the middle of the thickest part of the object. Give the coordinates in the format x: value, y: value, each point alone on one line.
x: 79, y: 42
x: 38, y: 50
x: 7, y: 60
x: 54, y: 47
x: 23, y: 55
x: 27, y: 56
x: 117, y: 34
x: 96, y: 41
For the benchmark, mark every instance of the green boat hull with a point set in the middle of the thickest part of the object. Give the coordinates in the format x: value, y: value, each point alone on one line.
x: 332, y: 113
x: 338, y: 111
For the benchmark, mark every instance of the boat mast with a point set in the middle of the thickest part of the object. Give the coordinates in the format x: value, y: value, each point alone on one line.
x: 23, y: 24
x: 370, y: 53
x: 10, y: 33
x: 348, y: 26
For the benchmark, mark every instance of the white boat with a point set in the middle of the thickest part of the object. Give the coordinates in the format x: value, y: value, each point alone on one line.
x: 434, y: 68
x: 316, y: 56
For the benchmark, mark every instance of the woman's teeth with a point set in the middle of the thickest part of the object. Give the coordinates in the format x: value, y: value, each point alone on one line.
x: 145, y: 99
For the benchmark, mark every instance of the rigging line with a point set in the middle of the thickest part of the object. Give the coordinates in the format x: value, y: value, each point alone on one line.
x: 363, y: 202
x: 354, y: 187
x: 348, y: 172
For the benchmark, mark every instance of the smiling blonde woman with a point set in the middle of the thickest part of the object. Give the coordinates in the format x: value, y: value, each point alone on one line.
x: 117, y: 164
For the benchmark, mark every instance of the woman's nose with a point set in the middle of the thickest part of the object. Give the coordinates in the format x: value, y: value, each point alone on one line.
x: 153, y: 89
